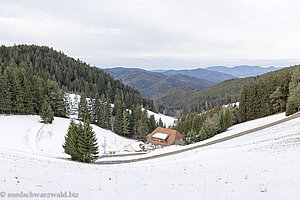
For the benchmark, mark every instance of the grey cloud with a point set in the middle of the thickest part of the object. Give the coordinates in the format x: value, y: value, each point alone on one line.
x: 158, y: 34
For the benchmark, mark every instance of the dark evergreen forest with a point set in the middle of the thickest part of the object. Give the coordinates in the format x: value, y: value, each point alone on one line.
x: 24, y: 65
x: 264, y: 95
x: 34, y: 79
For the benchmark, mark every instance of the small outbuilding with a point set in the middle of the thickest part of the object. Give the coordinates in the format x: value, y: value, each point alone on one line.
x: 165, y: 137
x: 135, y: 147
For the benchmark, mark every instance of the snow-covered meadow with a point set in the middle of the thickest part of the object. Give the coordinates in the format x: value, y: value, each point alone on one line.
x: 261, y: 165
x: 25, y: 133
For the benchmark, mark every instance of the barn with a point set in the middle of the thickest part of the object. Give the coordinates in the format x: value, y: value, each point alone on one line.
x: 165, y: 137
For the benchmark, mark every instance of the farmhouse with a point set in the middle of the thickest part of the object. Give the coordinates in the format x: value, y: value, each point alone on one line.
x: 165, y: 137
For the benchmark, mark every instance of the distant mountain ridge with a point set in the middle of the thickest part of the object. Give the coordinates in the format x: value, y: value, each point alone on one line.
x: 151, y: 83
x: 210, y: 75
x: 185, y: 100
x: 242, y: 71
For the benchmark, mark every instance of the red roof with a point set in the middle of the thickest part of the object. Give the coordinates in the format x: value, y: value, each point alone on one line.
x: 173, y: 137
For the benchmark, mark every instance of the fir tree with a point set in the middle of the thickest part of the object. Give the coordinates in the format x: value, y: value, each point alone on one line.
x: 160, y: 123
x: 103, y: 113
x: 277, y: 100
x: 47, y: 113
x: 293, y: 103
x: 81, y: 142
x: 152, y: 124
x: 126, y: 123
x: 87, y: 143
x: 118, y: 122
x: 144, y: 125
x: 71, y: 141
x: 83, y: 109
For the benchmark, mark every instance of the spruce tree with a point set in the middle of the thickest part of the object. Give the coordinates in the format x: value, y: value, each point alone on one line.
x: 47, y: 113
x: 71, y: 141
x: 103, y: 112
x: 81, y: 142
x: 126, y: 123
x: 160, y: 123
x: 83, y: 109
x: 144, y: 125
x: 152, y: 123
x: 118, y: 122
x: 277, y: 100
x: 293, y: 103
x: 87, y: 143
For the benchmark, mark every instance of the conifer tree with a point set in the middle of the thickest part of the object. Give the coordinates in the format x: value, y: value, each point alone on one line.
x: 56, y: 99
x: 103, y: 112
x: 160, y: 123
x: 277, y: 100
x: 68, y: 105
x: 83, y: 109
x: 47, y: 113
x: 144, y: 125
x: 126, y: 123
x: 81, y: 142
x: 118, y: 122
x: 71, y: 141
x: 87, y: 143
x: 152, y: 123
x: 293, y: 104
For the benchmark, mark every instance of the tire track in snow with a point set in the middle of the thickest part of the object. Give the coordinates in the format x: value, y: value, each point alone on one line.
x: 37, y: 136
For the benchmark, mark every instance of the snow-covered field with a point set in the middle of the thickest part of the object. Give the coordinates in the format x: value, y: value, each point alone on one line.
x: 167, y: 120
x: 25, y: 133
x: 261, y: 165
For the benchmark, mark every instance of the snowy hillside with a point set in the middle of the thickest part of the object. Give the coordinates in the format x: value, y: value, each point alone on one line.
x: 167, y: 120
x: 261, y: 165
x: 27, y: 134
x: 74, y: 100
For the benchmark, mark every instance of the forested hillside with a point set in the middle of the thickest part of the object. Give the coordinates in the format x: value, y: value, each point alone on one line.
x: 151, y: 83
x: 272, y: 94
x: 222, y: 93
x: 264, y: 96
x: 70, y: 74
x: 212, y: 76
x: 242, y: 71
x: 34, y: 80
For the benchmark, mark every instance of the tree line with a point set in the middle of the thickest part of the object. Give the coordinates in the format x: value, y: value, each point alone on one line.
x: 271, y: 95
x: 71, y: 75
x: 132, y: 122
x: 197, y: 127
x: 180, y: 101
x: 24, y: 93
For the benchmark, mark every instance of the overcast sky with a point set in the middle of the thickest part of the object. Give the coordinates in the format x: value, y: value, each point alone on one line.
x: 159, y: 34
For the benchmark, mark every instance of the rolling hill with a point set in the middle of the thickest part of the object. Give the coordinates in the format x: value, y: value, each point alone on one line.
x: 219, y: 94
x: 213, y: 76
x: 151, y: 83
x: 243, y: 70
